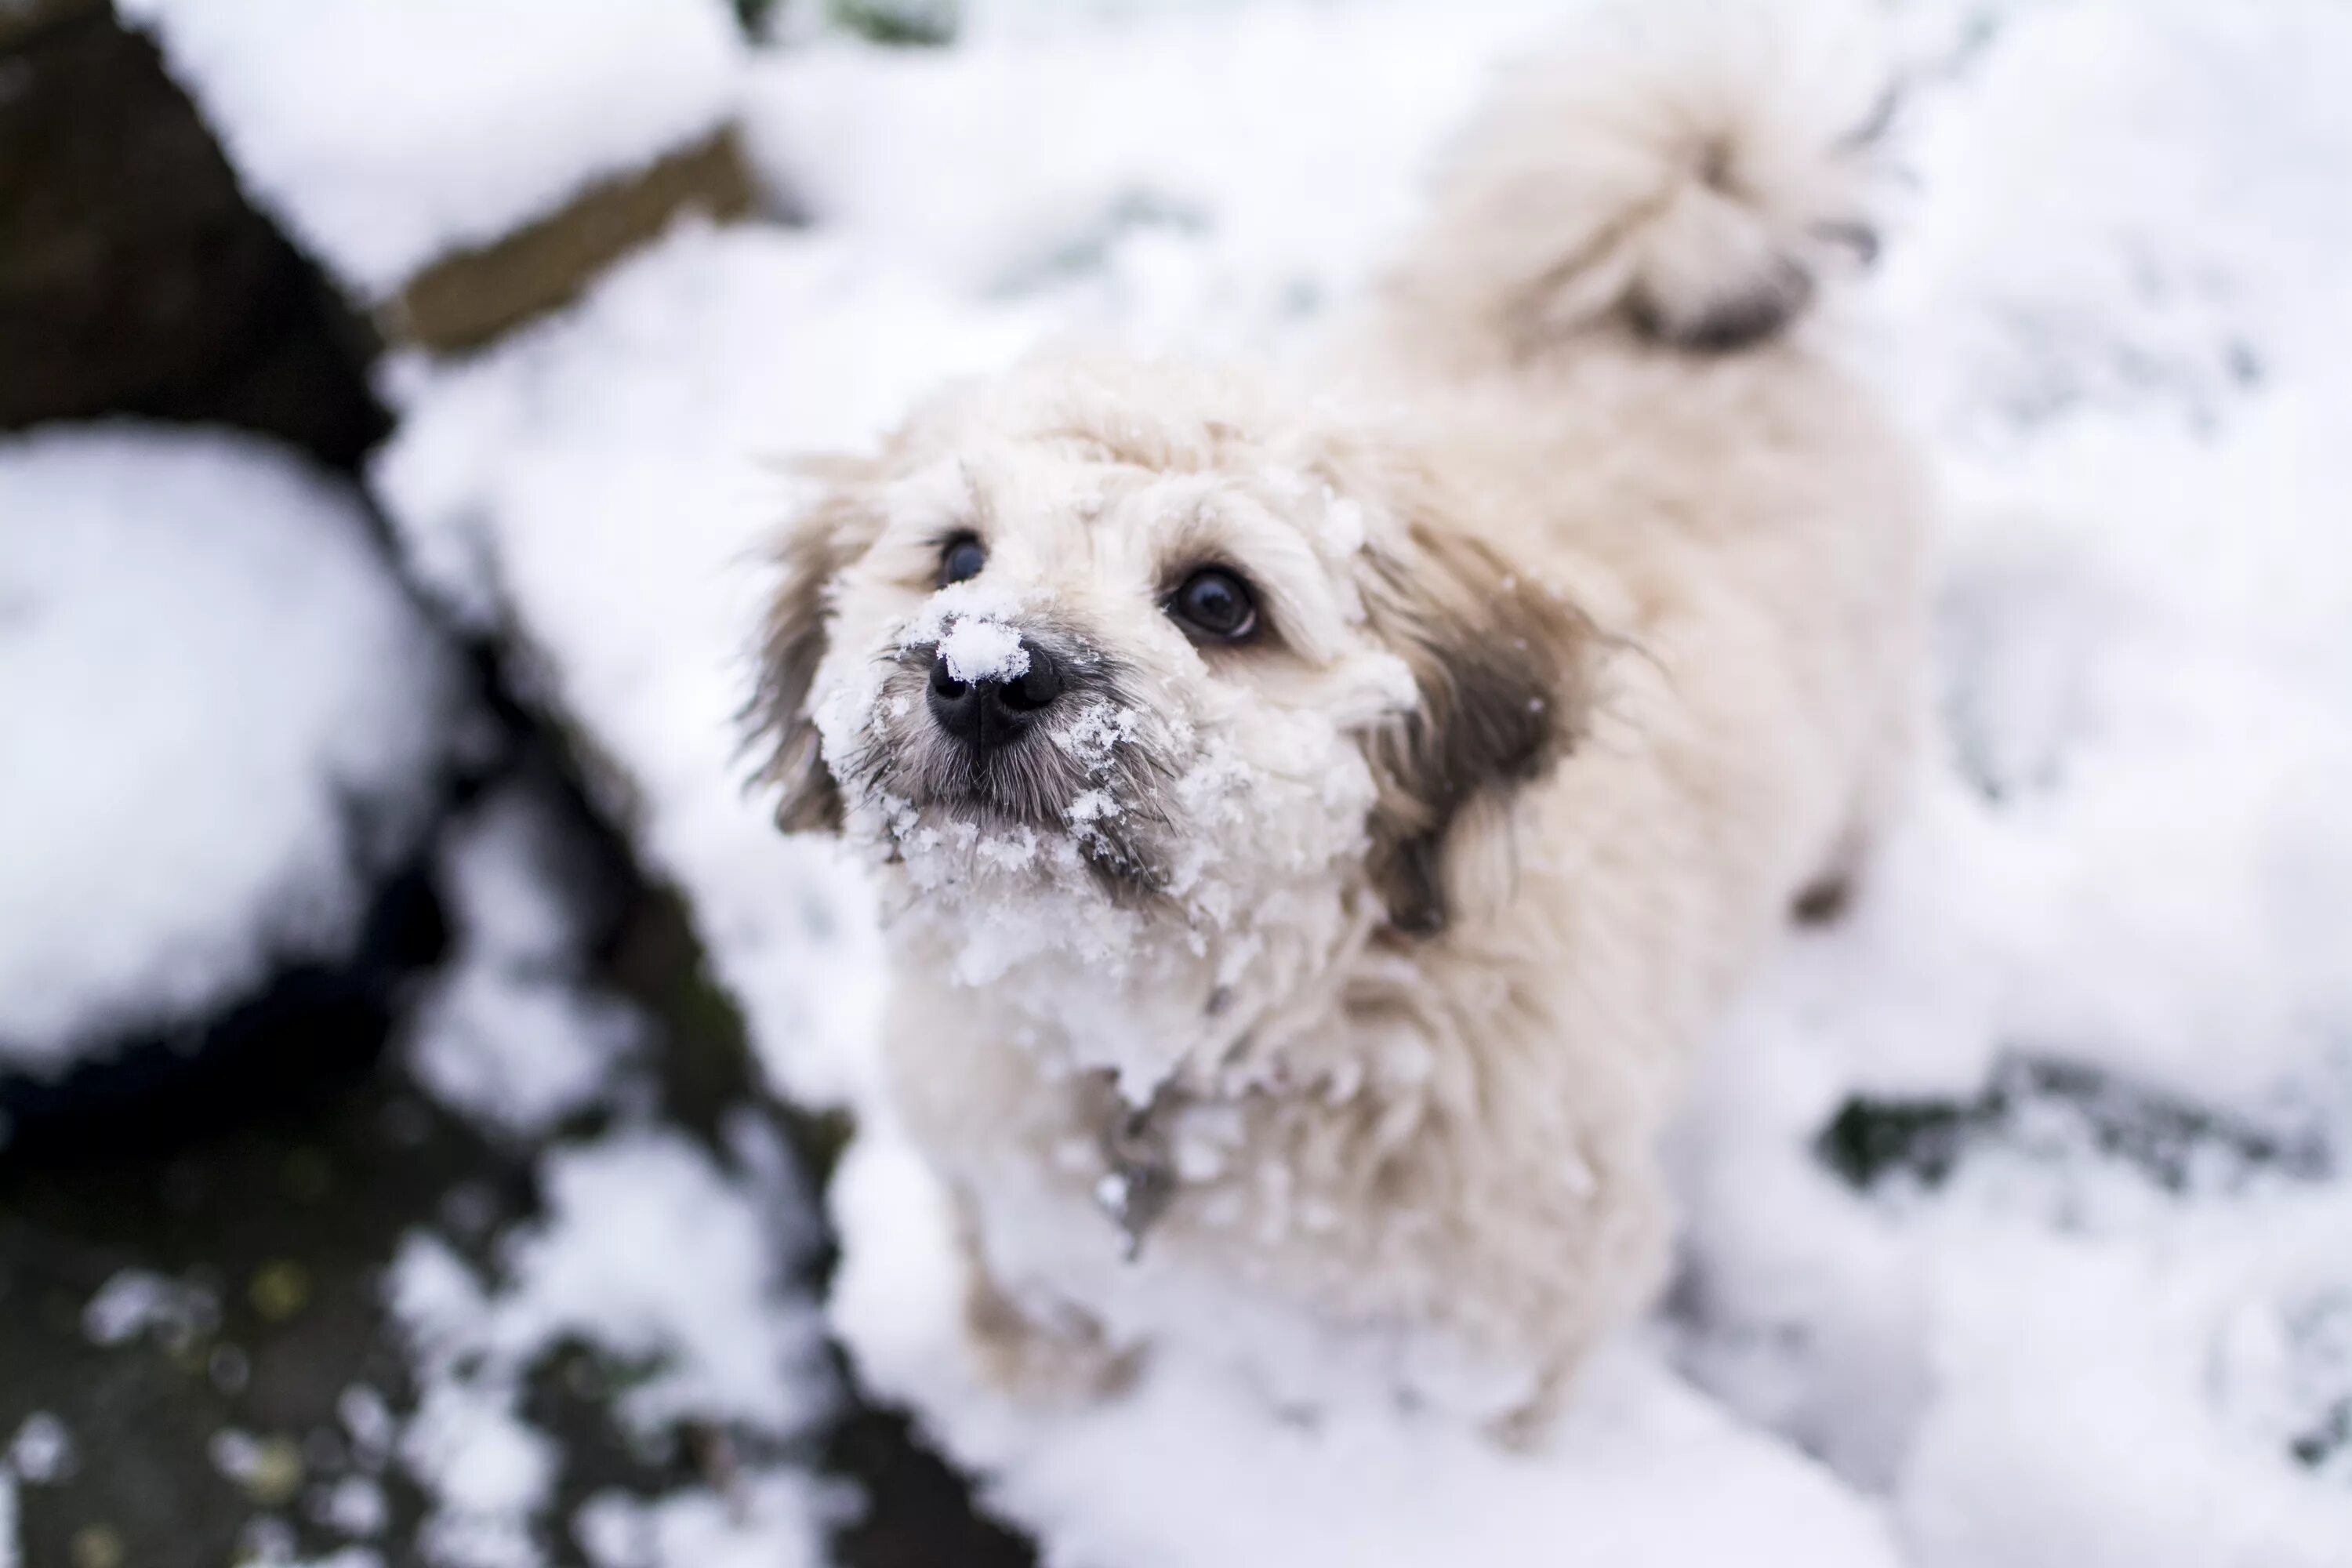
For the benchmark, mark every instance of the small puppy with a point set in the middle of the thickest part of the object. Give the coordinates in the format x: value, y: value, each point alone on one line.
x: 1317, y: 825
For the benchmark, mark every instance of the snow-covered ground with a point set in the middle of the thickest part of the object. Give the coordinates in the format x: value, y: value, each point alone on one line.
x: 673, y: 1272
x: 2018, y: 1231
x: 2112, y: 951
x: 672, y: 1264
x: 225, y: 722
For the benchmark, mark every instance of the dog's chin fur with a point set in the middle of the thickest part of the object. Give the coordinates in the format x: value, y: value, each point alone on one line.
x: 1101, y: 792
x: 1390, y: 930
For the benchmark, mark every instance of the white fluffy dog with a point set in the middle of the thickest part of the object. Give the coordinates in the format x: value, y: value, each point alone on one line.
x: 1314, y: 837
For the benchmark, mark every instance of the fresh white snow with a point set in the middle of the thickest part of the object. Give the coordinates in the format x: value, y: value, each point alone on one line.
x: 43, y: 1452
x: 511, y: 1034
x: 386, y: 133
x: 134, y: 1302
x: 766, y: 1520
x: 666, y: 400
x: 226, y: 720
x: 1195, y: 1467
x: 2112, y: 307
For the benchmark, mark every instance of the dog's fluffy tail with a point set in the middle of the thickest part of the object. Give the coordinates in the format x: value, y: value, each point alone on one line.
x: 1691, y: 170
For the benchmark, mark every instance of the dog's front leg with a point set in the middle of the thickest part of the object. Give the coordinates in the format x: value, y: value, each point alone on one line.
x: 1067, y: 1361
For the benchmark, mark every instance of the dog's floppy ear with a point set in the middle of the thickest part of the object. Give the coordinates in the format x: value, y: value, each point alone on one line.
x: 826, y: 535
x: 1504, y: 669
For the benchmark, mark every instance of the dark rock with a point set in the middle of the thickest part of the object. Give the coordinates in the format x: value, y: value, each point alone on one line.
x: 134, y: 277
x: 304, y: 1034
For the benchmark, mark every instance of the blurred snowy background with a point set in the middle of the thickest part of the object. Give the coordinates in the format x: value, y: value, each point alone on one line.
x: 420, y: 1064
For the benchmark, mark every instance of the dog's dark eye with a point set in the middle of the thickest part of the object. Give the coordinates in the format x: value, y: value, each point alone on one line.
x: 961, y: 559
x: 1215, y: 604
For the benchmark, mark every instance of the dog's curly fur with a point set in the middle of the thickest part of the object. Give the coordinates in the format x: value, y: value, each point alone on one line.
x: 1585, y: 655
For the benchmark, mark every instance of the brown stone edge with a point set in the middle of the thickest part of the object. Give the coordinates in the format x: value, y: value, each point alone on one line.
x: 471, y: 297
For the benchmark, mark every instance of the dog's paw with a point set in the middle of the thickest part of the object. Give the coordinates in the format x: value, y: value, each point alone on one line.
x: 1063, y: 1365
x: 1527, y: 1427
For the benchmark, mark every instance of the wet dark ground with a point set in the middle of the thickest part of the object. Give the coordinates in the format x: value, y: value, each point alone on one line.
x: 262, y: 1193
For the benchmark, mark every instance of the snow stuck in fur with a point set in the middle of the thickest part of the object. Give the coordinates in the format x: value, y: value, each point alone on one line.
x: 2016, y: 1205
x: 386, y: 133
x: 224, y: 722
x: 977, y: 649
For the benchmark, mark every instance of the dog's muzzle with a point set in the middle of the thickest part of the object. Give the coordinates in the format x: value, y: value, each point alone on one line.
x: 1051, y: 740
x: 990, y: 713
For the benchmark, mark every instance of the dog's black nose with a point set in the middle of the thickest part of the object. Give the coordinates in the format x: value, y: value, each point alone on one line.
x: 986, y: 713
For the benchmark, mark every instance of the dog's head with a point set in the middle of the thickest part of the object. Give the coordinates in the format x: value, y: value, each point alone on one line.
x: 1139, y: 633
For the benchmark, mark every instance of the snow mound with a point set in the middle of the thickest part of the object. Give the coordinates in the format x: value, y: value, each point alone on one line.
x: 226, y: 721
x: 386, y: 133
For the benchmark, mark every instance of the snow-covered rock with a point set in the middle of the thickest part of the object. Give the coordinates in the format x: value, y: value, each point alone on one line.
x: 386, y: 133
x: 226, y: 720
x: 2108, y: 962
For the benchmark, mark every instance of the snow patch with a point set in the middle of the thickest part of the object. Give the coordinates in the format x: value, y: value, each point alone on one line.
x: 657, y: 1261
x: 774, y: 1519
x: 353, y: 1505
x: 133, y: 1301
x: 42, y: 1454
x: 511, y: 1036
